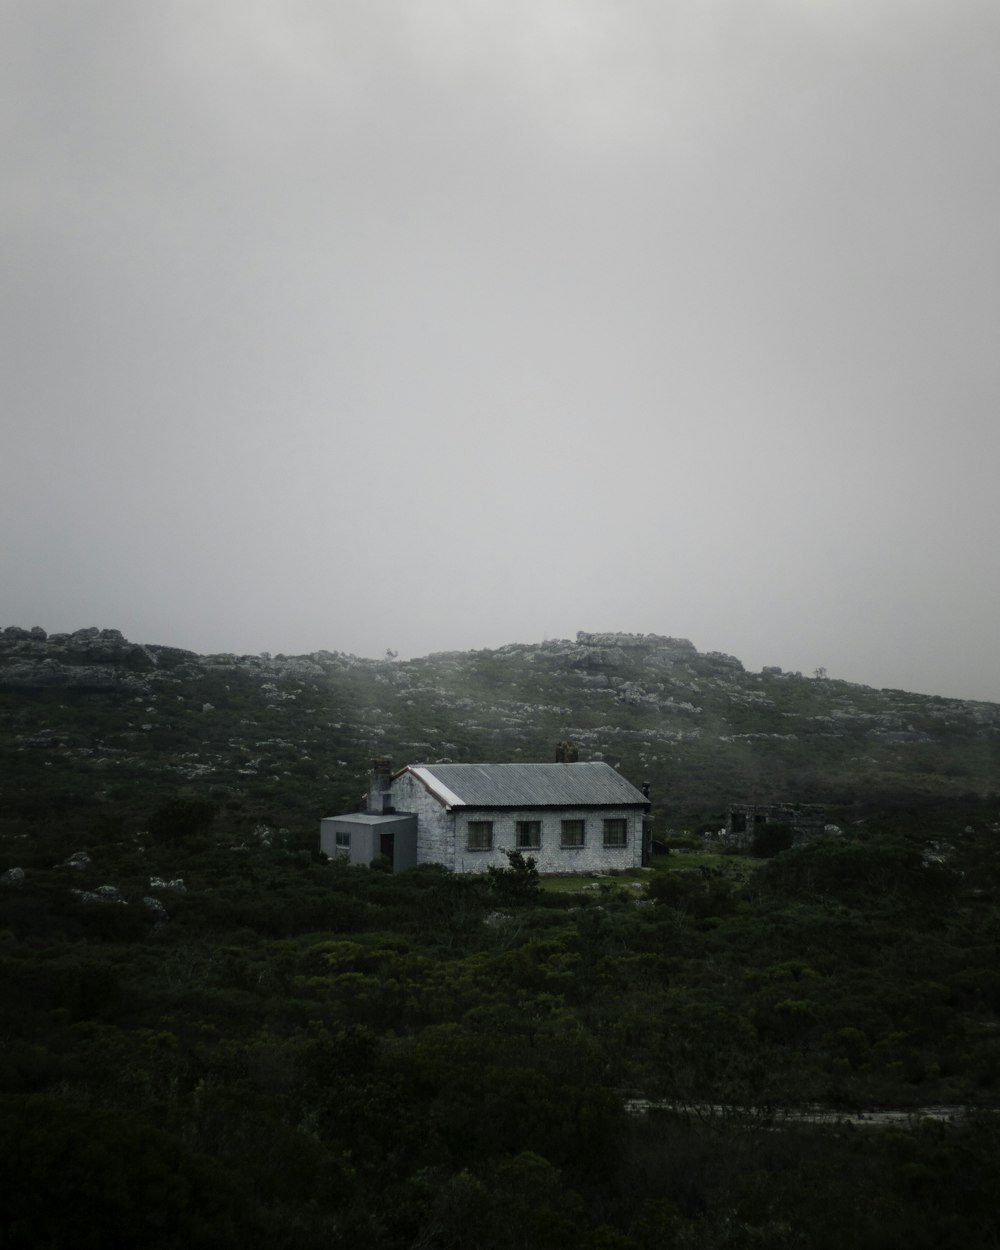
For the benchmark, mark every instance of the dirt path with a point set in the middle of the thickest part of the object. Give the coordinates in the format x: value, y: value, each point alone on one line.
x: 900, y: 1117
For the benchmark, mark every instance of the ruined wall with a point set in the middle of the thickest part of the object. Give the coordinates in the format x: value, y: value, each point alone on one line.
x: 806, y: 820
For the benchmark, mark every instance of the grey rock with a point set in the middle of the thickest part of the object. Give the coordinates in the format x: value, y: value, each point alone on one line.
x: 177, y: 884
x: 79, y: 859
x: 13, y: 876
x: 103, y: 894
x: 49, y: 675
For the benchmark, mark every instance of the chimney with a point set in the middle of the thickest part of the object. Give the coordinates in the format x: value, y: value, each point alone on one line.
x: 379, y: 786
x: 567, y: 753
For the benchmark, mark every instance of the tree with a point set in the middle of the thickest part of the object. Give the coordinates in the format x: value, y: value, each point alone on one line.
x: 518, y: 883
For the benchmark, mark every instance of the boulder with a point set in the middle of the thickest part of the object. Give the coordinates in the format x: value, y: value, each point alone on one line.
x: 157, y: 909
x: 103, y: 894
x: 177, y: 884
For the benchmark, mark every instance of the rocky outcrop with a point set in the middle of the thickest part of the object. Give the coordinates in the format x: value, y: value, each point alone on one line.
x: 49, y: 675
x: 156, y: 909
x: 92, y: 659
x: 103, y: 894
x: 656, y: 642
x: 176, y: 885
x: 78, y: 860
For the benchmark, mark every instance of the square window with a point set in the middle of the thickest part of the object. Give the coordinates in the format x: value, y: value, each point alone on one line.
x: 572, y: 833
x: 529, y: 835
x: 615, y: 832
x: 342, y: 839
x: 480, y: 835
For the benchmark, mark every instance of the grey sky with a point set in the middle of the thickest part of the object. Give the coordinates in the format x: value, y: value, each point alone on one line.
x: 434, y: 324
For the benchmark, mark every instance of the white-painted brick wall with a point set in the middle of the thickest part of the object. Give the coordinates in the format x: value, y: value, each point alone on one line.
x: 593, y: 856
x: 442, y: 836
x: 435, y: 824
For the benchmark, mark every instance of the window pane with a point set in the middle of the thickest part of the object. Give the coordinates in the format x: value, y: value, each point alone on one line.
x: 480, y: 836
x: 343, y: 838
x: 615, y: 832
x: 529, y: 834
x: 572, y: 833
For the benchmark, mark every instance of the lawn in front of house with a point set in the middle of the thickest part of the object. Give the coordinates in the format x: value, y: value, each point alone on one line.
x: 634, y: 879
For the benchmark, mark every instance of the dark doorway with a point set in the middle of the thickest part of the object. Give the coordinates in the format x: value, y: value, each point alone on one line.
x: 387, y: 844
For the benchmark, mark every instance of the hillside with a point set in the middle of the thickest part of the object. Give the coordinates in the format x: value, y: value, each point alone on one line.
x: 92, y: 722
x: 213, y: 1037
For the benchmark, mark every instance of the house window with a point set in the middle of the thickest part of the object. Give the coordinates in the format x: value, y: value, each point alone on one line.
x: 572, y: 833
x: 480, y: 835
x: 342, y: 839
x: 615, y: 832
x: 529, y: 835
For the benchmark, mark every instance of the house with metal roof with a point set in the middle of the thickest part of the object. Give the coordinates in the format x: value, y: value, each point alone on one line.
x: 569, y: 816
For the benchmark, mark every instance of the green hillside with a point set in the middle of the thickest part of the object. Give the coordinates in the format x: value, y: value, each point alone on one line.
x: 212, y: 1037
x: 95, y: 728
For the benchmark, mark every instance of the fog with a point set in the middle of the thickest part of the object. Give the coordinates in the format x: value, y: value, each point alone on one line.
x: 434, y: 325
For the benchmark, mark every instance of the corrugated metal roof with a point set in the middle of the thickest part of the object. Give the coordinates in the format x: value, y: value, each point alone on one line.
x: 528, y: 785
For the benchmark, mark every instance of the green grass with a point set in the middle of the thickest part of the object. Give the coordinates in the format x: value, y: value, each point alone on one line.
x: 676, y: 861
x: 679, y: 860
x: 586, y: 881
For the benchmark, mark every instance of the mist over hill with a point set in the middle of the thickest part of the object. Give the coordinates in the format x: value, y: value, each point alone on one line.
x: 93, y: 722
x: 216, y: 1037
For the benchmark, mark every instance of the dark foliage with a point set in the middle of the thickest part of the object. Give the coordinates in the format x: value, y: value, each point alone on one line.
x: 771, y: 838
x: 312, y: 1055
x: 291, y: 1053
x: 179, y: 819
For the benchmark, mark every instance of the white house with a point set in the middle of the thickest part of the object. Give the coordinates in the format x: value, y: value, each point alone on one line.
x: 570, y: 817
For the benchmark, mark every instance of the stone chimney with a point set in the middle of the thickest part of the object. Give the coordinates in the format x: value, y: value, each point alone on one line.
x: 380, y: 786
x: 567, y: 753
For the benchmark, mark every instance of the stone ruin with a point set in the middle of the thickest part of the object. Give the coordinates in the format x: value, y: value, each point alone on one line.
x: 807, y: 821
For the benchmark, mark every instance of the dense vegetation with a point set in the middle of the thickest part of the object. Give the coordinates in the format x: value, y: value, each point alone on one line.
x: 213, y: 1038
x: 306, y: 1054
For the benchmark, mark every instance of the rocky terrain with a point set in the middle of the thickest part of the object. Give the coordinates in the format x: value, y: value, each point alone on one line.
x: 92, y: 723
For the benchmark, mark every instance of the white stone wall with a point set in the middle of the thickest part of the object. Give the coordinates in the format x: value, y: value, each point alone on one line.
x: 442, y: 835
x: 435, y: 824
x: 593, y: 856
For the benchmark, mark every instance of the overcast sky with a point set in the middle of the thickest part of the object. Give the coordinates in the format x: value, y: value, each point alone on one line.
x: 442, y: 324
